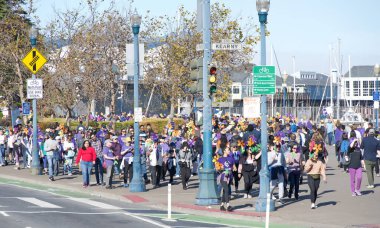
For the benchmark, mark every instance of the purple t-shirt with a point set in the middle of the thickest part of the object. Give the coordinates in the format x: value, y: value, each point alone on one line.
x: 129, y: 153
x: 227, y: 162
x: 107, y: 151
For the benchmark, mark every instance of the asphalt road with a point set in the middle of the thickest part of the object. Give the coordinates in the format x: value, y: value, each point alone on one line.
x: 26, y: 208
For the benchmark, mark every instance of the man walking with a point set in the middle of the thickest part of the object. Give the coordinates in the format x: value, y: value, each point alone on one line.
x: 50, y: 146
x: 370, y: 145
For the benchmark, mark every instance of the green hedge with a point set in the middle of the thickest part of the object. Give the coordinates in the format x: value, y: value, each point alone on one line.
x: 158, y: 125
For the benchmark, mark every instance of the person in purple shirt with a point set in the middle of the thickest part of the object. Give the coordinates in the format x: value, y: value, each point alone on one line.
x: 123, y: 138
x: 235, y: 154
x: 225, y: 177
x: 109, y: 159
x: 127, y: 153
x: 101, y: 134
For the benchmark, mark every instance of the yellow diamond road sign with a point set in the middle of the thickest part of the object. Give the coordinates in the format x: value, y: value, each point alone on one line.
x: 34, y: 60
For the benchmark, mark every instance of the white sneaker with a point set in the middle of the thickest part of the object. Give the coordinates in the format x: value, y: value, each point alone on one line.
x: 249, y: 196
x: 177, y: 176
x: 245, y: 195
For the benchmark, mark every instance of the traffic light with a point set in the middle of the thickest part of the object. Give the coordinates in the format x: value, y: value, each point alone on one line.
x: 196, y: 76
x: 212, y: 80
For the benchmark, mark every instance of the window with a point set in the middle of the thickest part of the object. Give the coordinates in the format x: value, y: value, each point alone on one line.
x: 365, y: 88
x: 371, y: 87
x: 250, y: 91
x: 347, y: 88
x: 356, y: 88
x: 235, y: 90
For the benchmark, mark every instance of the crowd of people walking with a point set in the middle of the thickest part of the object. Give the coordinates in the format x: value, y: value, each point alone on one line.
x: 297, y: 152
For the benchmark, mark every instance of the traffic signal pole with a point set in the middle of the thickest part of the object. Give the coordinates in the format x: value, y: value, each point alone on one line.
x: 207, y: 191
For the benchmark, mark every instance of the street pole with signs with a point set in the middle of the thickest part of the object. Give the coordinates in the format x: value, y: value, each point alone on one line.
x: 34, y: 61
x: 137, y: 184
x: 262, y: 201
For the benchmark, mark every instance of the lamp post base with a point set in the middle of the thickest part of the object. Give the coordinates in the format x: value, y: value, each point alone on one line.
x: 207, y: 191
x: 261, y: 205
x: 137, y: 185
x: 36, y: 171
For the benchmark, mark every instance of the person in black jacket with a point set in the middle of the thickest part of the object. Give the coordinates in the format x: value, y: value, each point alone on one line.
x: 248, y: 168
x: 370, y: 145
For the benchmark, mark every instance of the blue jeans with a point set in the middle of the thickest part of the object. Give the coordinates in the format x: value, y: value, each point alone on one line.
x: 330, y: 137
x: 86, y: 171
x: 49, y: 159
x: 177, y: 168
x: 143, y: 171
x: 99, y: 170
x: 2, y: 154
x: 68, y: 165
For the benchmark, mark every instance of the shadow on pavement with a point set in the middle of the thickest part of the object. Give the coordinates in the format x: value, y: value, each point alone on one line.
x: 368, y: 192
x: 242, y: 206
x: 327, y: 191
x: 327, y: 203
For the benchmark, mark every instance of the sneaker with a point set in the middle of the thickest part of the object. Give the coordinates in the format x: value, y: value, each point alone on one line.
x: 126, y: 185
x: 245, y: 195
x: 229, y: 208
x: 85, y: 186
x: 280, y: 202
x: 51, y: 178
x: 70, y: 174
x: 378, y: 175
x: 222, y: 208
x: 358, y: 193
x: 353, y: 194
x: 249, y: 196
x: 370, y: 186
x: 108, y: 187
x: 177, y: 176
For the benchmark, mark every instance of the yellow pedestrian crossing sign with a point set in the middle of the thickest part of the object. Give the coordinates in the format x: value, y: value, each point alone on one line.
x: 34, y: 60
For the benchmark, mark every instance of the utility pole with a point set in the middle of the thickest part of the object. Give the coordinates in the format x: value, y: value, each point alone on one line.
x: 207, y: 191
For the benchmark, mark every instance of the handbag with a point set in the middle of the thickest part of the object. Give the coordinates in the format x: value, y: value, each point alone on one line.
x: 104, y: 164
x: 346, y: 160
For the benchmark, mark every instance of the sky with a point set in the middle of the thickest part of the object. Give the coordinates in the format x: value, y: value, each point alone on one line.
x: 305, y: 29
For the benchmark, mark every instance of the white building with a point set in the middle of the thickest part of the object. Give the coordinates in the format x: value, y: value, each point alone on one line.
x: 358, y: 84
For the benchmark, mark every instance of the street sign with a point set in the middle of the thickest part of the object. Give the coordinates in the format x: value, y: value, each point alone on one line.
x: 264, y: 80
x: 138, y: 114
x: 226, y: 46
x: 34, y: 88
x: 34, y: 60
x: 26, y: 108
x: 376, y: 95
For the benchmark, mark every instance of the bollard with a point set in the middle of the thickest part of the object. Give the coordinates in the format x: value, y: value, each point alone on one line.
x: 169, y: 218
x: 267, y: 211
x: 170, y: 201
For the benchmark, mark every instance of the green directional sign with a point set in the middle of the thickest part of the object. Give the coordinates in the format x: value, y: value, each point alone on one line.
x: 264, y: 80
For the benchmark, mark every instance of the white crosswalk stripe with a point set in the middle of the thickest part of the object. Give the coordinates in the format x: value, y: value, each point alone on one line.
x: 95, y: 203
x: 38, y: 202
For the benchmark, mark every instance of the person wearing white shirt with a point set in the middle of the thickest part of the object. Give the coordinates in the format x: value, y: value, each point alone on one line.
x: 3, y: 139
x: 11, y: 140
x: 69, y: 153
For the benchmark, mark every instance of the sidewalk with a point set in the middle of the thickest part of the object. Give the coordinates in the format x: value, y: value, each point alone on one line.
x: 334, y: 208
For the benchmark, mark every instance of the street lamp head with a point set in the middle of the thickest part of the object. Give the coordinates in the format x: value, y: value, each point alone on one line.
x: 262, y: 6
x: 33, y: 33
x: 285, y: 76
x: 136, y: 22
x: 376, y: 69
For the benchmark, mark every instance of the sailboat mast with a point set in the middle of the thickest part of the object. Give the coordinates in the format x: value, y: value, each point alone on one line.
x: 338, y: 82
x: 331, y: 81
x: 349, y: 76
x: 294, y: 83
